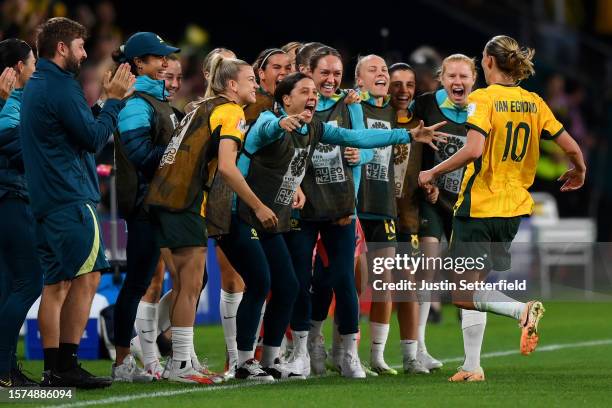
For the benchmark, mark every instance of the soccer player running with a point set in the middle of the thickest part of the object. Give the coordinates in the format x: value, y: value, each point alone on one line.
x: 59, y: 138
x: 505, y: 125
x: 20, y: 270
x: 457, y: 75
x: 146, y: 124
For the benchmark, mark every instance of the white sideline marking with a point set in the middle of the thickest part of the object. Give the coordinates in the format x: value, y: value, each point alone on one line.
x: 550, y: 347
x: 169, y: 393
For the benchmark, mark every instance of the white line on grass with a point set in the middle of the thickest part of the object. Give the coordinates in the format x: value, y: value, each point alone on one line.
x: 169, y: 393
x: 550, y: 347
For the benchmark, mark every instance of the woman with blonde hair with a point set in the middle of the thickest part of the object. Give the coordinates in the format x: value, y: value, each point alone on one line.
x: 506, y: 123
x: 207, y: 139
x: 457, y: 75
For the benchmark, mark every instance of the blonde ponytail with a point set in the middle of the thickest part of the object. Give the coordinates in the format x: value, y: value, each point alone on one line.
x: 512, y: 59
x: 222, y: 70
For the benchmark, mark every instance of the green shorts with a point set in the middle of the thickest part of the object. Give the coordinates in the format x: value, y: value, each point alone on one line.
x: 433, y: 221
x: 182, y: 229
x: 70, y: 243
x: 379, y: 231
x: 485, y: 238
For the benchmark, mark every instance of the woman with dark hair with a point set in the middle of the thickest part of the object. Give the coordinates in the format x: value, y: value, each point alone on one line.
x: 298, y: 95
x: 20, y: 272
x: 146, y: 124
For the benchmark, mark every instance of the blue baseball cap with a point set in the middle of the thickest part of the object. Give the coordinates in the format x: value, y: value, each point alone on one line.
x: 145, y: 43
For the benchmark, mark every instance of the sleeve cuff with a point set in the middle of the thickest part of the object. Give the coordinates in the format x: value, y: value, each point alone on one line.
x: 234, y: 138
x: 547, y: 136
x: 476, y: 128
x: 113, y: 104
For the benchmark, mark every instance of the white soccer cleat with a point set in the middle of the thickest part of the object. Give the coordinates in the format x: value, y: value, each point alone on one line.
x: 155, y: 369
x: 351, y: 367
x: 251, y: 370
x: 183, y: 372
x: 428, y: 361
x: 129, y: 371
x: 318, y: 355
x: 414, y: 366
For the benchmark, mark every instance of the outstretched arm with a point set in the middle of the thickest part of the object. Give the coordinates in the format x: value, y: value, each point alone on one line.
x: 574, y: 178
x: 467, y: 154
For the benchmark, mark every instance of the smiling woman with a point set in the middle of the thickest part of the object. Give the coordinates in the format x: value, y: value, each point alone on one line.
x: 181, y: 203
x: 146, y: 124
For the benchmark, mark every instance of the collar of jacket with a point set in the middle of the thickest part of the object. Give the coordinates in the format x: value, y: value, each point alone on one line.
x: 326, y: 103
x: 16, y: 94
x: 44, y: 64
x: 155, y: 88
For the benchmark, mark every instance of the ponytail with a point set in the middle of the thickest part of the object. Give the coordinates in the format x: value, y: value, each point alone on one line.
x: 222, y: 70
x: 512, y: 59
x: 119, y: 57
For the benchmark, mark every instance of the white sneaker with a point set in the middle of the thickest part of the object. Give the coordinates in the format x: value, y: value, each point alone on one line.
x: 202, y: 368
x: 414, y: 366
x: 229, y: 374
x: 155, y: 369
x: 299, y: 364
x: 351, y: 366
x: 186, y: 374
x: 129, y: 371
x: 282, y: 371
x: 318, y: 355
x: 428, y: 361
x: 252, y: 371
x: 334, y: 359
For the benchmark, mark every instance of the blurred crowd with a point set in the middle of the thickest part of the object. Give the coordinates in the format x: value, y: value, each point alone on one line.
x: 581, y: 105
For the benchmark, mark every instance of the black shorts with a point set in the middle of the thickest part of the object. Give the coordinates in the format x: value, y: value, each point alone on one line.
x: 379, y: 231
x: 486, y: 238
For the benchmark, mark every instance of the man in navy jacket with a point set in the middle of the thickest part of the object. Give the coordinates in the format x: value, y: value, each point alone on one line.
x: 59, y: 139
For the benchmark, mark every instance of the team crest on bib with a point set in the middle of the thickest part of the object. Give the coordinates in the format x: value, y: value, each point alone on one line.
x: 324, y: 148
x: 453, y: 144
x: 299, y: 163
x: 400, y: 153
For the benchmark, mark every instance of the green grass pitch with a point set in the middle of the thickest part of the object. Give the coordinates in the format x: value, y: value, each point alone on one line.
x: 572, y: 367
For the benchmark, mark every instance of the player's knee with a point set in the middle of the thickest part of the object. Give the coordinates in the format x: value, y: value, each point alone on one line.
x: 259, y: 287
x: 291, y: 289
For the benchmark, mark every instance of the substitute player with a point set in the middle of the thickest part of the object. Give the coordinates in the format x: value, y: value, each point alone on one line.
x: 505, y: 125
x: 457, y: 74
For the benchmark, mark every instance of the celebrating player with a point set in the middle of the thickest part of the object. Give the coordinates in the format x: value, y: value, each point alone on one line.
x: 146, y: 124
x: 505, y: 125
x: 457, y: 75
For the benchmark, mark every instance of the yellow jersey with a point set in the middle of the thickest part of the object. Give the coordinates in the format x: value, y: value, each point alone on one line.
x: 513, y: 121
x: 227, y: 121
